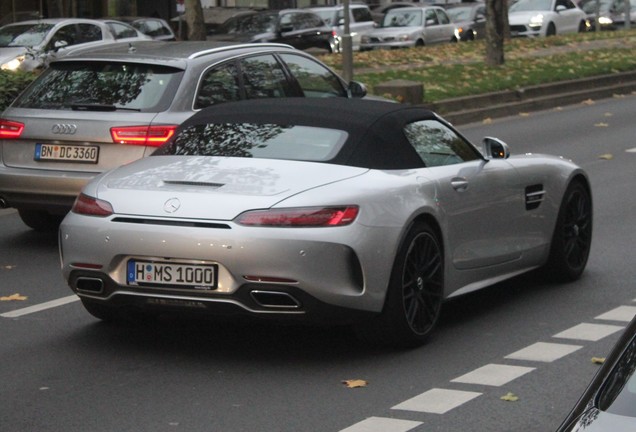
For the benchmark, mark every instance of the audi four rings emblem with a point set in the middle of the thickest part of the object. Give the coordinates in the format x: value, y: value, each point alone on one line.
x: 64, y: 129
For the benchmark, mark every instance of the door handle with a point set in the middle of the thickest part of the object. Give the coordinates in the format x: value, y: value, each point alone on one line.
x: 460, y: 184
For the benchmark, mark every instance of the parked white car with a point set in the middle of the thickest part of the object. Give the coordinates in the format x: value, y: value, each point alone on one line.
x: 410, y: 27
x: 360, y: 22
x: 546, y: 18
x: 28, y: 45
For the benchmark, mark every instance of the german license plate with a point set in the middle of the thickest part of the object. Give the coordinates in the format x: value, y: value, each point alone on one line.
x: 66, y: 153
x: 153, y: 273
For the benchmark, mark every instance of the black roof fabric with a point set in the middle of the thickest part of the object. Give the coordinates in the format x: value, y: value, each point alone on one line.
x: 376, y: 138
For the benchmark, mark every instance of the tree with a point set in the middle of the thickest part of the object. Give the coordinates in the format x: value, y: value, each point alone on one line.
x: 194, y: 20
x: 496, y: 31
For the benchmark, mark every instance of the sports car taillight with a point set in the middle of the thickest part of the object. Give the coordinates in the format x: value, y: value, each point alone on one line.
x: 300, y: 217
x: 152, y: 136
x: 89, y: 206
x: 10, y: 129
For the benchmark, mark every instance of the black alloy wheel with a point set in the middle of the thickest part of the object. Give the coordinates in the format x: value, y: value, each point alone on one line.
x: 572, y: 237
x: 415, y: 292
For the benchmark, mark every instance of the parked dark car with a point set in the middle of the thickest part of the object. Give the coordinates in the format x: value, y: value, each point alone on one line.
x: 299, y: 28
x: 609, y: 403
x: 470, y: 20
x: 108, y: 106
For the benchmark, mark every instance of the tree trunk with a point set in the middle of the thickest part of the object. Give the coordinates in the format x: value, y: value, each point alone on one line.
x: 194, y: 20
x: 496, y: 31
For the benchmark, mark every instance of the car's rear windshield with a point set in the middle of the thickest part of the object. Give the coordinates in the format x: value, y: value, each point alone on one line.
x: 102, y: 86
x: 251, y: 140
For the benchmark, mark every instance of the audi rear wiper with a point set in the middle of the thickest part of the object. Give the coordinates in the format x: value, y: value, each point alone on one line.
x: 100, y: 107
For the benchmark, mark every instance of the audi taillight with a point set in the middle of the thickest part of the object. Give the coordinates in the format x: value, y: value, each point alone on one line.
x: 300, y: 217
x: 152, y: 136
x: 10, y: 129
x: 89, y: 206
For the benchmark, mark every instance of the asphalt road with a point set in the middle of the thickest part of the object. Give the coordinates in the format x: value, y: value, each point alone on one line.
x: 62, y: 370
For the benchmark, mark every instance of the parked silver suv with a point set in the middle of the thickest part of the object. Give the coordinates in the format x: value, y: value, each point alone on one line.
x: 360, y: 22
x: 93, y: 111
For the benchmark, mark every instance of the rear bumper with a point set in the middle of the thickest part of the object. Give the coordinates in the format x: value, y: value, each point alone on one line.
x: 53, y: 191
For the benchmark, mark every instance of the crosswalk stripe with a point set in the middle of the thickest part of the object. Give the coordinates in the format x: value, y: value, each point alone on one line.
x: 382, y: 424
x: 543, y: 352
x: 437, y: 401
x: 493, y: 375
x: 589, y: 332
x: 621, y: 313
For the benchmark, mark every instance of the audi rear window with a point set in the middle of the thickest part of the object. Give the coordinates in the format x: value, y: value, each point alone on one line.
x: 101, y: 86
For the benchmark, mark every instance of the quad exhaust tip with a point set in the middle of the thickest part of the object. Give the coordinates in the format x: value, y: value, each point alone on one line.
x: 89, y: 284
x: 275, y: 299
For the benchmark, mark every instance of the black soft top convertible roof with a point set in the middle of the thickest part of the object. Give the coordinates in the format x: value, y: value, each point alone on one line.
x: 375, y: 129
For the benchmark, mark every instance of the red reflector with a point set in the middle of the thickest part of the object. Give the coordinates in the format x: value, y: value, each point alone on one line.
x: 87, y: 266
x: 89, y: 206
x: 153, y: 136
x: 300, y: 217
x: 10, y: 129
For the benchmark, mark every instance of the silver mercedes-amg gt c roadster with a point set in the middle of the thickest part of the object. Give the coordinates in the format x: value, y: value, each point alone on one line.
x: 321, y: 209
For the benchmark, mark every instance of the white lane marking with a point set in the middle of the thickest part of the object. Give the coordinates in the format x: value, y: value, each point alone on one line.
x: 437, y: 401
x: 589, y: 332
x: 382, y: 424
x: 621, y: 313
x: 493, y: 375
x: 631, y: 150
x: 40, y: 307
x: 543, y: 352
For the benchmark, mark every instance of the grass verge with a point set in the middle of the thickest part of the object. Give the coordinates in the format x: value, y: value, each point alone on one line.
x: 453, y: 70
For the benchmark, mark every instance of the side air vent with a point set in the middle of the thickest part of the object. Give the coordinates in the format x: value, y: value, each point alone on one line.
x: 180, y: 223
x: 534, y: 196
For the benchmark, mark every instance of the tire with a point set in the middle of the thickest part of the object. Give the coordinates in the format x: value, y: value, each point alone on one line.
x: 40, y: 220
x: 582, y: 27
x: 551, y: 30
x: 572, y: 237
x: 419, y: 43
x: 414, y: 296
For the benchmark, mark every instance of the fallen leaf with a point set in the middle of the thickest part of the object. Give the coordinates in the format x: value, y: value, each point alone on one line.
x: 598, y: 360
x: 510, y: 397
x: 558, y: 109
x: 13, y: 297
x: 608, y: 114
x: 601, y: 125
x: 588, y: 102
x: 524, y: 114
x: 487, y: 120
x: 606, y: 156
x: 8, y: 267
x: 355, y: 383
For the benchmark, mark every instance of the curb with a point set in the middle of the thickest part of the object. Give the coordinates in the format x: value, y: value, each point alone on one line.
x: 534, y: 98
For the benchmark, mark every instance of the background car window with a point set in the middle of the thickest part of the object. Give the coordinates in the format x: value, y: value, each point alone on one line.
x: 361, y: 14
x: 23, y: 35
x: 66, y: 34
x: 431, y: 17
x: 437, y: 144
x: 314, y: 79
x: 89, y: 33
x: 397, y: 18
x: 263, y: 77
x: 121, y: 30
x: 442, y: 17
x: 152, y: 28
x: 218, y: 85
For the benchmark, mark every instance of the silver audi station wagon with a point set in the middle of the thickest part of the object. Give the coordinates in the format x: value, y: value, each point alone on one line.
x: 97, y: 109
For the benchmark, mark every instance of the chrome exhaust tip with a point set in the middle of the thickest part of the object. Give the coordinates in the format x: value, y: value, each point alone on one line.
x: 274, y: 299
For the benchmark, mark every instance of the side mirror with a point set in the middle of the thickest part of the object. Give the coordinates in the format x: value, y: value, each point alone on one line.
x: 357, y: 89
x: 494, y: 148
x: 560, y: 8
